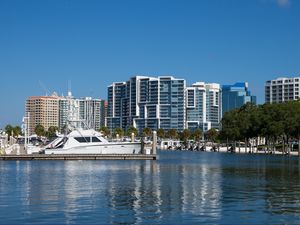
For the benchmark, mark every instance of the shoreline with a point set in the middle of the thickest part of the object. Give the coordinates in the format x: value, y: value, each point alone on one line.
x: 259, y: 152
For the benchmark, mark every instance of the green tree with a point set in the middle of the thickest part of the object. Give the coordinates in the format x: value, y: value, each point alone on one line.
x: 212, y: 134
x: 294, y: 125
x: 52, y: 131
x: 186, y: 134
x: 147, y: 132
x: 17, y: 131
x: 8, y: 130
x: 229, y: 126
x: 276, y: 122
x: 273, y: 120
x: 39, y: 130
x: 197, y: 134
x: 172, y: 133
x: 105, y: 131
x: 119, y: 131
x: 161, y: 133
x: 132, y: 130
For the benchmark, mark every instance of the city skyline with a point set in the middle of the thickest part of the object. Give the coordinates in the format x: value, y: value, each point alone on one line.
x: 93, y: 44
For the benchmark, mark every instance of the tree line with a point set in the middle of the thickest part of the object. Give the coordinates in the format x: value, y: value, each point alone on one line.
x: 278, y: 123
x: 39, y: 130
x: 185, y: 135
x: 14, y: 131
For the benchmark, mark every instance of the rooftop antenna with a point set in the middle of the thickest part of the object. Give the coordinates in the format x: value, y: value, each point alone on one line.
x: 43, y: 87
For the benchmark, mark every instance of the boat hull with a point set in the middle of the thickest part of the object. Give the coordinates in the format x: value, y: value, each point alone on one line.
x: 120, y: 148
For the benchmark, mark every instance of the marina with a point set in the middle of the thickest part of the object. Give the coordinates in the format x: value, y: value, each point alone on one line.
x: 150, y: 112
x: 181, y: 187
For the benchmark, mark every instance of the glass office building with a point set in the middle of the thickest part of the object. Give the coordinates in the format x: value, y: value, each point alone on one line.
x: 147, y: 102
x: 236, y: 95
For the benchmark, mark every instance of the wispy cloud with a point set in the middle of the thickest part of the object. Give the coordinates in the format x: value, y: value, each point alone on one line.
x: 280, y: 3
x: 284, y: 3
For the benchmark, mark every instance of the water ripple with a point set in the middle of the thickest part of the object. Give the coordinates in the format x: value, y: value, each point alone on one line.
x: 179, y: 188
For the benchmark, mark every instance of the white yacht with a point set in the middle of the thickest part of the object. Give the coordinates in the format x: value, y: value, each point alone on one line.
x: 90, y: 142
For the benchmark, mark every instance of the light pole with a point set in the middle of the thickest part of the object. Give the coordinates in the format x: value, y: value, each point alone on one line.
x: 25, y: 126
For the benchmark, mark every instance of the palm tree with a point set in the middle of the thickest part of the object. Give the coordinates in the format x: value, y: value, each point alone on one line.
x: 186, y: 134
x: 119, y: 131
x: 132, y: 130
x: 147, y: 132
x: 172, y: 133
x: 105, y: 131
x: 39, y: 130
x: 17, y: 131
x: 52, y: 131
x: 197, y: 134
x: 8, y: 130
x: 161, y: 133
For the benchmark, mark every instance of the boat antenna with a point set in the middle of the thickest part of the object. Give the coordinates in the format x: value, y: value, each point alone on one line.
x: 42, y: 85
x: 69, y: 88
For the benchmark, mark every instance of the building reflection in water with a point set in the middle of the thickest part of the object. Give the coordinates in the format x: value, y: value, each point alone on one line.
x: 118, y: 192
x: 138, y: 197
x: 152, y: 193
x: 201, y: 191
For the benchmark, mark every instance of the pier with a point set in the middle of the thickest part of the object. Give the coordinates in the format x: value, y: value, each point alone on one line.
x: 80, y: 157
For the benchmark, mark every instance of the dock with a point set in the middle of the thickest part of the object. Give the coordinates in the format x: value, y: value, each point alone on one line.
x: 80, y: 157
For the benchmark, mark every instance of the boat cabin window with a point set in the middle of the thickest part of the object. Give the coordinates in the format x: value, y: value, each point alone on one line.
x: 95, y: 139
x: 82, y: 139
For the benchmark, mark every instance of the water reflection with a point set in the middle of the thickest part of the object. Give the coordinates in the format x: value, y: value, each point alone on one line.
x: 178, y: 188
x: 201, y: 191
x: 138, y: 197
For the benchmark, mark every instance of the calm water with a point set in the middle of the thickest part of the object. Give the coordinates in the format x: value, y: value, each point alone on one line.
x: 179, y: 188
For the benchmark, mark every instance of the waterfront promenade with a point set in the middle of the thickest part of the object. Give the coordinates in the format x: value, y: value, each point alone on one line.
x: 242, y: 150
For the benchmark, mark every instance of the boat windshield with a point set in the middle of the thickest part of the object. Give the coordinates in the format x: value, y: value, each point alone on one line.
x: 60, y: 144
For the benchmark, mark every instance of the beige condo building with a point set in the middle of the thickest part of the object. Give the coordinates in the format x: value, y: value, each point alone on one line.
x: 43, y: 110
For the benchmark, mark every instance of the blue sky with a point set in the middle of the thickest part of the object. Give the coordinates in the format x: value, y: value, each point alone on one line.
x: 94, y: 43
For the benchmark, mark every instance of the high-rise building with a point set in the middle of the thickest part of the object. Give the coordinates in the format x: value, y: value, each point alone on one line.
x: 90, y: 112
x: 236, y: 95
x: 115, y: 105
x: 203, y: 106
x: 103, y: 112
x: 282, y: 90
x: 145, y: 101
x: 42, y: 110
x: 69, y: 112
x: 65, y: 111
x: 161, y: 103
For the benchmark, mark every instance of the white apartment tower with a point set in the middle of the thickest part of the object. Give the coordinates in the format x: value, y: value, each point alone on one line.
x: 203, y: 106
x: 282, y: 90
